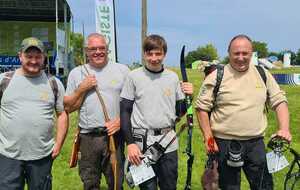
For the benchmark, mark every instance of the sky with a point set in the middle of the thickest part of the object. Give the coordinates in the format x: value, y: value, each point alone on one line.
x: 196, y: 23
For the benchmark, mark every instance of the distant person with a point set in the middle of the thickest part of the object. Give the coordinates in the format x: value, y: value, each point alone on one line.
x: 94, y: 156
x: 152, y: 99
x: 238, y: 119
x: 29, y: 100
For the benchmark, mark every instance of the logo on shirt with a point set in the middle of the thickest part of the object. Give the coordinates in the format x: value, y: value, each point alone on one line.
x: 258, y: 85
x: 114, y: 82
x: 202, y: 91
x: 167, y: 92
x: 44, y: 96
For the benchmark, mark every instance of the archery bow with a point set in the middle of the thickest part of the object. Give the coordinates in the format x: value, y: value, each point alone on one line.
x: 111, y: 145
x: 111, y: 141
x: 189, y: 117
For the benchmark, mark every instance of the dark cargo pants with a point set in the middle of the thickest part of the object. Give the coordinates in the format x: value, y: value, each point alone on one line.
x: 255, y: 166
x: 166, y: 173
x: 36, y: 173
x: 94, y: 160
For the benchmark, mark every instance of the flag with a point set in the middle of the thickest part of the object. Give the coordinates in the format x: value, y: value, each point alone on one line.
x: 105, y: 25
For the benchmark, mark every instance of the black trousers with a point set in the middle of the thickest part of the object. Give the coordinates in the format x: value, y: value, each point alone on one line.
x: 94, y: 160
x: 255, y: 166
x: 166, y: 173
x: 15, y: 173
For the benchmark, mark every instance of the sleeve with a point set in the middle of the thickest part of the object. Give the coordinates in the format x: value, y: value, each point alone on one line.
x: 128, y: 89
x: 205, y: 99
x: 275, y: 94
x: 71, y: 84
x: 60, y: 96
x: 2, y: 76
x: 125, y: 115
x: 1, y: 86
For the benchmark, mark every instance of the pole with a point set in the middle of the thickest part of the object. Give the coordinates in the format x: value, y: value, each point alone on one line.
x: 144, y: 27
x: 115, y: 30
x: 65, y: 63
x: 56, y: 30
x: 83, y: 44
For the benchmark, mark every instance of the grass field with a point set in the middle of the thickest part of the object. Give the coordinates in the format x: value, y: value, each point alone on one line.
x: 68, y: 179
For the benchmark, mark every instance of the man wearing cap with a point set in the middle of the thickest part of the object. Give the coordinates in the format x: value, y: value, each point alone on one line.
x: 27, y: 145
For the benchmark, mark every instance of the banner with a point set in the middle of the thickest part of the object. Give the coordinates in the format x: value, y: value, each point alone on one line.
x: 105, y: 25
x: 289, y: 79
x: 9, y: 61
x: 286, y: 59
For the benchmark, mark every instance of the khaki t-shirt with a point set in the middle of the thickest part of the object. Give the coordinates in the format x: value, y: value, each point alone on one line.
x: 239, y: 111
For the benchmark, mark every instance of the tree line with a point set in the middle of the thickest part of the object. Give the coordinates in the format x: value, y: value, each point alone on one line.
x: 205, y: 53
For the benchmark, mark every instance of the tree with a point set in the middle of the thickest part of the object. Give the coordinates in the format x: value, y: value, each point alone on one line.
x: 276, y: 54
x: 77, y: 45
x: 190, y: 58
x: 135, y: 64
x: 280, y: 55
x: 297, y: 60
x: 225, y: 60
x: 204, y: 53
x: 293, y: 56
x: 260, y: 48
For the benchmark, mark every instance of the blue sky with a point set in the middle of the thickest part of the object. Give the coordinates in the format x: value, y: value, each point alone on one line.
x: 196, y: 23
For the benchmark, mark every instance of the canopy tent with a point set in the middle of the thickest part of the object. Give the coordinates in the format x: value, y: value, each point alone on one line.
x: 34, y: 10
x: 48, y: 20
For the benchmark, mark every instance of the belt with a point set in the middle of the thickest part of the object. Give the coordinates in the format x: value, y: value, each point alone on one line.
x: 97, y: 131
x: 159, y: 131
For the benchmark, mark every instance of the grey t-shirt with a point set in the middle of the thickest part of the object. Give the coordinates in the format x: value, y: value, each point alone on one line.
x: 110, y: 80
x: 155, y: 96
x: 27, y: 117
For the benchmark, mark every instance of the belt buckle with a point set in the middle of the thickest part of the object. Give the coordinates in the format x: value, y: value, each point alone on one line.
x: 157, y: 132
x: 100, y: 131
x: 165, y: 130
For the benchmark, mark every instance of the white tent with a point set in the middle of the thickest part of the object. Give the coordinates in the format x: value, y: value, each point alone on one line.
x: 267, y: 64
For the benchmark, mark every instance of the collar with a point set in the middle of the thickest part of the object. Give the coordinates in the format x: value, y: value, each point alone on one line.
x: 155, y: 72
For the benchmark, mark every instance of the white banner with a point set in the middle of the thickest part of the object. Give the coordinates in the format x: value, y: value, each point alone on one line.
x: 286, y: 60
x: 60, y: 37
x: 105, y: 25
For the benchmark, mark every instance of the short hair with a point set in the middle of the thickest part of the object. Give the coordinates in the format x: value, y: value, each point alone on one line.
x: 240, y: 36
x: 154, y: 41
x: 94, y: 35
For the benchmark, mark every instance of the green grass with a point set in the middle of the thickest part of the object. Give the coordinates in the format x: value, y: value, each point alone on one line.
x: 287, y: 70
x: 68, y: 179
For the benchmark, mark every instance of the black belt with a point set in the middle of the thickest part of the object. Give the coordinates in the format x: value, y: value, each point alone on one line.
x: 97, y: 132
x: 160, y: 131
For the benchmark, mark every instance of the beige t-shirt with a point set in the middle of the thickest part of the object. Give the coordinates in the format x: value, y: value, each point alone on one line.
x: 239, y: 111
